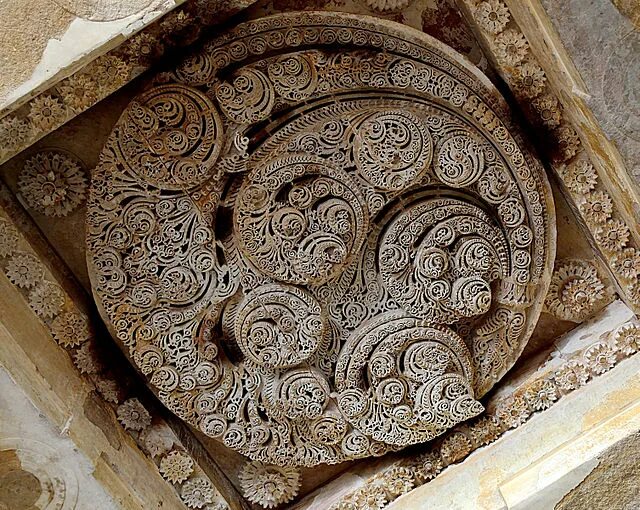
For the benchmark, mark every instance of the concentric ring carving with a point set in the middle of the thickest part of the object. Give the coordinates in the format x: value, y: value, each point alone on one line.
x: 300, y: 219
x: 279, y: 326
x: 317, y: 253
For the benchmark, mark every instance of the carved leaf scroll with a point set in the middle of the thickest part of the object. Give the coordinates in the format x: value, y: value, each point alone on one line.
x: 321, y: 239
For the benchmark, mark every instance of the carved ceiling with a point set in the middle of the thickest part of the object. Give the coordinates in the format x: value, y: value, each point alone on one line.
x: 320, y: 238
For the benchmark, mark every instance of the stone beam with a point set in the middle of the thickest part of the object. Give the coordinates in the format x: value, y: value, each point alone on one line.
x: 589, y: 374
x: 81, y: 81
x: 43, y: 41
x: 55, y: 349
x: 526, y: 50
x: 546, y: 482
x: 542, y: 460
x: 38, y: 464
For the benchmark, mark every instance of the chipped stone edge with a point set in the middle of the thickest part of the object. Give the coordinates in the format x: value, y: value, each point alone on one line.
x: 54, y: 107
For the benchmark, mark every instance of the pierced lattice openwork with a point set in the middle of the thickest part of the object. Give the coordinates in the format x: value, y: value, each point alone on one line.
x: 320, y: 237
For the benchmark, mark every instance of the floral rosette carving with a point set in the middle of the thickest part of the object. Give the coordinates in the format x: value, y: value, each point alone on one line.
x: 53, y: 183
x: 308, y: 265
x: 576, y: 291
x: 269, y: 486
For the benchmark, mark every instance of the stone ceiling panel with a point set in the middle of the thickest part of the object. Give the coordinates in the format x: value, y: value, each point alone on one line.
x: 290, y: 195
x: 320, y: 254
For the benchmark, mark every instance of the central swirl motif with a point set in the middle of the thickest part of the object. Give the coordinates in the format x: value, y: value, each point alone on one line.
x: 300, y: 220
x: 320, y: 238
x: 438, y: 257
x: 459, y: 161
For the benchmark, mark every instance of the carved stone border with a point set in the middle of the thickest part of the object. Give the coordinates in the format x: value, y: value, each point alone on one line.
x: 509, y: 412
x: 590, y: 194
x: 53, y: 303
x: 106, y: 74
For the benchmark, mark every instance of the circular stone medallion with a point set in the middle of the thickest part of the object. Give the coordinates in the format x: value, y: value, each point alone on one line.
x: 308, y: 265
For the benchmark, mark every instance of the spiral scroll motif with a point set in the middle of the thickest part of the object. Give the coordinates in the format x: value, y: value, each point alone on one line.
x: 320, y: 238
x: 279, y: 326
x: 294, y: 77
x: 311, y: 234
x: 438, y: 257
x: 248, y: 98
x: 459, y: 161
x: 395, y: 376
x: 392, y: 149
x: 172, y: 137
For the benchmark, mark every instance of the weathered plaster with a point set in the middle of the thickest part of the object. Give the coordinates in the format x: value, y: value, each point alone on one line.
x: 42, y: 40
x: 603, y: 41
x: 613, y: 483
x: 20, y: 45
x: 105, y: 10
x: 40, y: 451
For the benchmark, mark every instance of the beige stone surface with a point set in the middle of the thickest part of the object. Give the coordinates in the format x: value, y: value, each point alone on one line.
x: 545, y: 483
x: 42, y: 41
x: 40, y: 453
x: 46, y: 374
x: 547, y: 468
x: 613, y: 483
x: 104, y: 10
x: 603, y: 42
